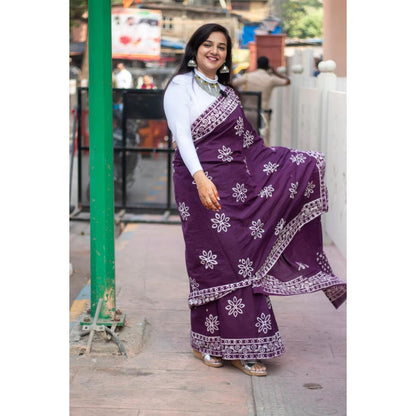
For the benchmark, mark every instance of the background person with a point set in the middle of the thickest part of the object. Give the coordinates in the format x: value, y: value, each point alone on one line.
x: 263, y: 79
x: 147, y: 83
x: 123, y: 77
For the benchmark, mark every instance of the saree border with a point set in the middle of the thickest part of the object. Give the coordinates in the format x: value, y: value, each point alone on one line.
x: 214, y: 115
x: 238, y: 348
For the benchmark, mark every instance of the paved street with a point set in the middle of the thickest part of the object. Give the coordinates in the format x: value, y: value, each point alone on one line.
x: 161, y: 377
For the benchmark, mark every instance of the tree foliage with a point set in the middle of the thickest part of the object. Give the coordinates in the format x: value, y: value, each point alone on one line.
x: 77, y: 8
x: 302, y: 18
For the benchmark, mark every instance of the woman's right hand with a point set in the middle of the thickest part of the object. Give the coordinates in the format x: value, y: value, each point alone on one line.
x: 207, y: 191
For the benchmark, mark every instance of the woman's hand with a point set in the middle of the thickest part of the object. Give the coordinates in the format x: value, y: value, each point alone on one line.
x: 207, y: 191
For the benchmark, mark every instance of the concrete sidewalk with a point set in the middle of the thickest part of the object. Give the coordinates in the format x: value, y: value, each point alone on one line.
x: 161, y: 376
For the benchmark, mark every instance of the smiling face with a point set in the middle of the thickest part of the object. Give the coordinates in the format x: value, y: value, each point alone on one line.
x: 211, y: 54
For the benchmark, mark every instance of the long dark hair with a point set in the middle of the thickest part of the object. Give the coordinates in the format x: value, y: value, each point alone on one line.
x: 200, y: 36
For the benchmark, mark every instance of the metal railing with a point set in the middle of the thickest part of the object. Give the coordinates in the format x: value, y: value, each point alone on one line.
x: 142, y: 150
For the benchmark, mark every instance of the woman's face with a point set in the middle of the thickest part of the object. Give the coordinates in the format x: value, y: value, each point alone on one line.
x: 211, y: 54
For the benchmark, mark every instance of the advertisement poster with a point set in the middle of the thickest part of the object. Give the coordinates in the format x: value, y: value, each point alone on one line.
x: 135, y: 33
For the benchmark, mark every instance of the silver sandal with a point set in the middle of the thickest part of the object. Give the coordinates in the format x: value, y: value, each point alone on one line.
x: 208, y: 359
x: 247, y: 367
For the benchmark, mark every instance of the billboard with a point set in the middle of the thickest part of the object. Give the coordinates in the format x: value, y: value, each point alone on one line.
x: 135, y: 33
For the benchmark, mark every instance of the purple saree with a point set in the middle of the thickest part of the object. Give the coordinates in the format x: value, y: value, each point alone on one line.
x: 266, y: 240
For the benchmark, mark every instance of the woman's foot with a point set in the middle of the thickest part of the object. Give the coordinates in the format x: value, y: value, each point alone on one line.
x: 208, y: 359
x: 250, y: 367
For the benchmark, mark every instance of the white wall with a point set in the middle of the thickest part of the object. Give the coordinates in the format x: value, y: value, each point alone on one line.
x: 336, y: 172
x: 308, y: 120
x: 310, y: 114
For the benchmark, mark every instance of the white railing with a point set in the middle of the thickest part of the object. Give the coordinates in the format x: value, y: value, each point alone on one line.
x: 310, y: 114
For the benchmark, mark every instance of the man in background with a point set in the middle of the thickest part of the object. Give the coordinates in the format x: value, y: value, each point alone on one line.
x: 263, y: 79
x: 123, y: 78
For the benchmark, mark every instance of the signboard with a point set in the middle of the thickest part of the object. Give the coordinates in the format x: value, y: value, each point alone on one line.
x: 136, y: 33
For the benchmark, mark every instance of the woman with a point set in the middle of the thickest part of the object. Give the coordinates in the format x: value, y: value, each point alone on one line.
x: 148, y: 83
x: 250, y: 213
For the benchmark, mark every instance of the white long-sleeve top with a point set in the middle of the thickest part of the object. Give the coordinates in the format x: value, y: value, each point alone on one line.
x: 184, y: 102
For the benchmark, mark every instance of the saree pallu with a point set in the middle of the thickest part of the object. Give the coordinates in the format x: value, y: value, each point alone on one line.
x: 265, y: 240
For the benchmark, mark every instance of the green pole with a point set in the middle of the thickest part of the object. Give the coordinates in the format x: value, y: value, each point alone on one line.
x: 101, y: 158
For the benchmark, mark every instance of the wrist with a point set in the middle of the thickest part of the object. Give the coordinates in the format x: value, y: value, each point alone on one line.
x: 198, y: 173
x: 198, y: 176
